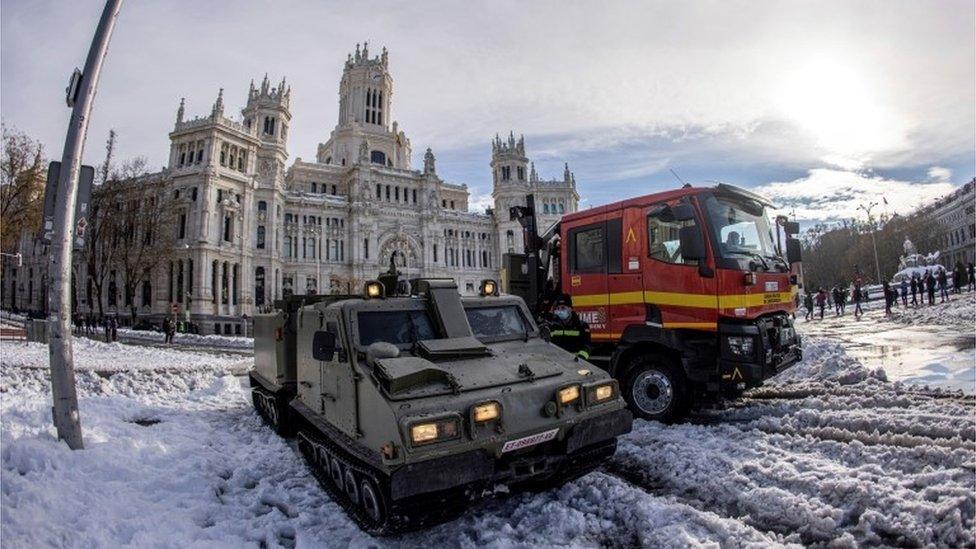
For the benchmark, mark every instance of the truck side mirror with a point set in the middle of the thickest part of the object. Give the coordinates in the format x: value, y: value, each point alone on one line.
x: 323, y: 345
x: 692, y: 243
x: 793, y: 248
x: 791, y: 227
x: 683, y: 212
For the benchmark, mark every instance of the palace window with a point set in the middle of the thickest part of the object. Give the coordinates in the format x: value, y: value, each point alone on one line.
x: 262, y: 206
x: 260, y: 238
x: 378, y: 157
x: 521, y: 173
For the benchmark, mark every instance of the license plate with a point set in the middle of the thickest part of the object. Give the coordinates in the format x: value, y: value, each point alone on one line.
x: 530, y: 440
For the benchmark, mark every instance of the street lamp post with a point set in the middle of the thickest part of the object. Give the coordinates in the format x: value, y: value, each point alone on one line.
x: 874, y: 243
x: 81, y: 95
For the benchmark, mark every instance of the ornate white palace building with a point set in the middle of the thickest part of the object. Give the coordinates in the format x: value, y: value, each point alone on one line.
x: 252, y: 229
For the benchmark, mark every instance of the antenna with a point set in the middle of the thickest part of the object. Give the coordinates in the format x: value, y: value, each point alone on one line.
x: 678, y: 177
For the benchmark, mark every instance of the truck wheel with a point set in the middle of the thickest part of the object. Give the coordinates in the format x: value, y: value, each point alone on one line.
x: 656, y: 389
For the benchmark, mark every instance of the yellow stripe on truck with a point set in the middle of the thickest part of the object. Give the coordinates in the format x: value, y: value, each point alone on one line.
x: 698, y: 301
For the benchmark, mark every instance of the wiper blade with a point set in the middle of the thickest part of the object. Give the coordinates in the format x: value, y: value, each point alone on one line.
x: 762, y: 261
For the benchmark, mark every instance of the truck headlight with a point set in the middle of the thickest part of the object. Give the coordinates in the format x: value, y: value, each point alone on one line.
x: 740, y: 345
x: 486, y: 412
x: 373, y: 289
x: 433, y: 431
x: 600, y: 393
x: 567, y: 395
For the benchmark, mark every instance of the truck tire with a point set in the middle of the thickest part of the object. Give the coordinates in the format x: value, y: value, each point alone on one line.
x: 656, y: 389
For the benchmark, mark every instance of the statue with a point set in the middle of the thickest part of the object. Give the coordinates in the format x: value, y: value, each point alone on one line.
x: 364, y: 152
x: 429, y: 162
x: 909, y: 247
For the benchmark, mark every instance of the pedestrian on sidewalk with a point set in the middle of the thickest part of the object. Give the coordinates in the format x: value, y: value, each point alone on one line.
x: 930, y: 286
x: 914, y: 287
x: 835, y: 297
x: 170, y: 331
x: 808, y: 304
x: 943, y: 286
x: 821, y: 301
x: 904, y: 292
x: 971, y: 271
x: 888, y: 298
x: 858, y: 295
x: 959, y: 278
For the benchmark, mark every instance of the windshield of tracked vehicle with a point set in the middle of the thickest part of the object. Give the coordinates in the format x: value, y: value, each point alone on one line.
x: 741, y: 228
x: 496, y: 323
x: 396, y: 327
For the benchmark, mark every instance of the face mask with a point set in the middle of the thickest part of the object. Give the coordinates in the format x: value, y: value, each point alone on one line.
x: 562, y: 313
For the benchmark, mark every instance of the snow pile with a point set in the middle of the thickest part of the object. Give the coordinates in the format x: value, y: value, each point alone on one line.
x: 194, y: 340
x: 826, y: 361
x: 98, y: 356
x: 960, y: 310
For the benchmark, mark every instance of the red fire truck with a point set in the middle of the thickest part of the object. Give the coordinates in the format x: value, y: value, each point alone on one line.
x: 688, y: 293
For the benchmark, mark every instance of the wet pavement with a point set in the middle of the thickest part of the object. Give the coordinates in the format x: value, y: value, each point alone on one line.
x: 937, y: 356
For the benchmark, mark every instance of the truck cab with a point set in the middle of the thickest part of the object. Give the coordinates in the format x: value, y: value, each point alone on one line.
x: 688, y: 293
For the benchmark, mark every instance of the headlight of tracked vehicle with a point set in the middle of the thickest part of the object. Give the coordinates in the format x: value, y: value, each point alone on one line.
x: 568, y: 395
x: 488, y: 287
x: 373, y: 289
x: 740, y: 345
x: 597, y: 394
x: 486, y: 412
x: 433, y: 431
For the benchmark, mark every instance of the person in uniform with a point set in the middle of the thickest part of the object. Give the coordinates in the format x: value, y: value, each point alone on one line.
x: 567, y: 330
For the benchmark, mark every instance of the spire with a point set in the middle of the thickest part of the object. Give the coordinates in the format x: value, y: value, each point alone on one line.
x: 533, y: 176
x: 511, y: 139
x: 358, y: 55
x: 281, y: 86
x: 251, y: 90
x: 366, y: 51
x: 384, y: 58
x: 429, y: 162
x: 521, y: 144
x: 566, y: 175
x: 265, y: 85
x: 180, y: 111
x: 218, y: 108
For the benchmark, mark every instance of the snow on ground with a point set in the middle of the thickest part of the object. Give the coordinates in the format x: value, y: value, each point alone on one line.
x: 195, y: 340
x: 830, y: 453
x: 960, y: 310
x: 175, y: 456
x: 928, y: 346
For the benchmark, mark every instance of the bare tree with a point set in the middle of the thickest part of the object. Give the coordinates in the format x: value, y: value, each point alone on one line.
x: 22, y: 178
x: 106, y: 167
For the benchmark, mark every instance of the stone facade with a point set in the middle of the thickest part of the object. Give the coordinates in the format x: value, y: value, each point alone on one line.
x: 252, y: 229
x: 955, y: 215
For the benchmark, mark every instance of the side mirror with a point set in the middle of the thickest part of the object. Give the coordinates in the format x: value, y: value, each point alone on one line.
x: 791, y: 228
x: 323, y: 345
x: 683, y: 212
x: 692, y: 243
x: 793, y: 248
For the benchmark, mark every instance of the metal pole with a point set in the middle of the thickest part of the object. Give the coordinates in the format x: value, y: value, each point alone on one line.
x: 877, y: 266
x: 65, y: 411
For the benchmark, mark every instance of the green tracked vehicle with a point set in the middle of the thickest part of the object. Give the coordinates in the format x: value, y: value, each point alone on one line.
x: 409, y: 402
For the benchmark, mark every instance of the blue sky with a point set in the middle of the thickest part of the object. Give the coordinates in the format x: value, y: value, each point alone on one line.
x: 820, y: 104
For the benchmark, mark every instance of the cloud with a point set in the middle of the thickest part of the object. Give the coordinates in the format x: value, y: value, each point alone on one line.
x: 829, y: 194
x: 479, y: 202
x: 937, y: 173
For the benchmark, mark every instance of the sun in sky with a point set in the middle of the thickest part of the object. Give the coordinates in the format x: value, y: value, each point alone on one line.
x: 841, y: 107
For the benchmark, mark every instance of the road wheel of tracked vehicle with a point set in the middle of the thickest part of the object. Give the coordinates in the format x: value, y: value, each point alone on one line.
x: 371, y: 500
x: 351, y: 487
x: 335, y: 472
x: 656, y: 389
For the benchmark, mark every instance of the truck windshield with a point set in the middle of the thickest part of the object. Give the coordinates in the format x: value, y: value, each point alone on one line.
x: 396, y: 327
x: 496, y: 323
x: 741, y: 228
